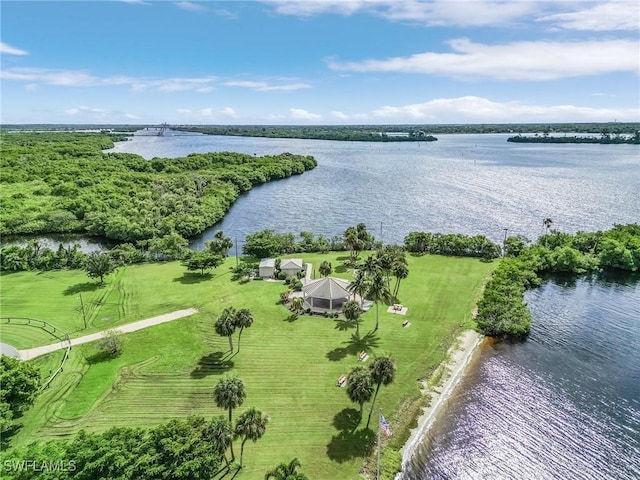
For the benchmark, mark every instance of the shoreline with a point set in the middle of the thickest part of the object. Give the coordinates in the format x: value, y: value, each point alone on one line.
x: 460, y: 354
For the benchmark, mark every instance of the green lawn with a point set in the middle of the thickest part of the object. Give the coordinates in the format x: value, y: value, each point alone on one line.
x: 289, y: 366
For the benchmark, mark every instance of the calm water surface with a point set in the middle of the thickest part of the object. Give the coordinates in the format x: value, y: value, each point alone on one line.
x: 563, y: 405
x: 473, y: 184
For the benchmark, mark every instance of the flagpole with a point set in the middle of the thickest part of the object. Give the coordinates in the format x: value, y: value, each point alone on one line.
x: 379, y: 421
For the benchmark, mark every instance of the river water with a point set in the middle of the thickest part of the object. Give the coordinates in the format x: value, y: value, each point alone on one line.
x: 565, y: 404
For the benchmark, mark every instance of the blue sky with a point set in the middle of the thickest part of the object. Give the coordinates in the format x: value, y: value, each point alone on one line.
x: 320, y: 62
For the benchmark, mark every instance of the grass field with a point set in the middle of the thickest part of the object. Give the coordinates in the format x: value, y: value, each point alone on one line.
x: 289, y: 366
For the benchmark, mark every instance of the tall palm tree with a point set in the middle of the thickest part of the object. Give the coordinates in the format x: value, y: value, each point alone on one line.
x: 229, y: 393
x: 220, y: 434
x: 225, y: 325
x: 250, y: 425
x: 286, y: 472
x: 242, y: 319
x: 546, y: 224
x: 370, y: 266
x: 400, y: 271
x: 359, y: 386
x: 382, y: 371
x: 359, y: 285
x: 352, y: 311
x: 378, y: 291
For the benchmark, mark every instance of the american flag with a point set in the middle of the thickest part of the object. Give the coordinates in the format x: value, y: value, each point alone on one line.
x: 384, y: 425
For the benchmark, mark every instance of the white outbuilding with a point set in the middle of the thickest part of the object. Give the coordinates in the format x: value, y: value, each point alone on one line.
x: 291, y: 266
x: 267, y: 267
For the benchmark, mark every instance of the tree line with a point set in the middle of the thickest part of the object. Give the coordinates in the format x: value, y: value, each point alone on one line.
x: 366, y: 133
x: 63, y: 182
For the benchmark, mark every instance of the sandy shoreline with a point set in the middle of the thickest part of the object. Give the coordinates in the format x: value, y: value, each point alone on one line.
x: 460, y: 355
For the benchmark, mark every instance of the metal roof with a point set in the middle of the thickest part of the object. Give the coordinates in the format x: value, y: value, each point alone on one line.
x: 328, y: 288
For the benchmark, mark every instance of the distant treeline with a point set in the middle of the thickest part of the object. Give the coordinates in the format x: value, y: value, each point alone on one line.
x: 63, y: 182
x: 345, y: 133
x: 605, y: 138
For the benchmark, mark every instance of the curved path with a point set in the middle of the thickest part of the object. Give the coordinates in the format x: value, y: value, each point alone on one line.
x: 6, y: 349
x: 30, y: 353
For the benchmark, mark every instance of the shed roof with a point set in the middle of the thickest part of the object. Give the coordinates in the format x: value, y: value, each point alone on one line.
x: 290, y: 263
x: 327, y: 287
x: 268, y: 262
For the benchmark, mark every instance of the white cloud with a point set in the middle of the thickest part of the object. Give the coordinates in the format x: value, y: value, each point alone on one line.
x: 206, y: 113
x: 137, y: 2
x: 202, y: 84
x: 435, y: 12
x: 339, y: 115
x: 191, y: 6
x: 586, y: 15
x: 531, y: 61
x: 301, y: 114
x: 265, y: 87
x: 83, y: 109
x: 78, y: 78
x: 229, y: 112
x: 472, y: 109
x: 6, y: 49
x: 611, y: 15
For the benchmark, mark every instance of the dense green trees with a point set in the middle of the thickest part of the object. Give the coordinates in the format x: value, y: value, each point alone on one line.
x: 454, y: 244
x: 19, y: 384
x: 181, y: 449
x: 502, y: 311
x: 61, y: 182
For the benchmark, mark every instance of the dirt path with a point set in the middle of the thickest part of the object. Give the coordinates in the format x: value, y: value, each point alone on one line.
x: 30, y: 353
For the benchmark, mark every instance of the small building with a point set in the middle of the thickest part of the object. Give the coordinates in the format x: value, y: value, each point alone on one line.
x: 267, y: 267
x: 291, y: 266
x: 325, y: 294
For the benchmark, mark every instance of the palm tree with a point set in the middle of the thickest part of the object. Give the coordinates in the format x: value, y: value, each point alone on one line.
x: 352, y: 311
x: 297, y: 303
x: 359, y: 386
x: 325, y: 268
x: 382, y: 370
x: 286, y: 472
x: 225, y: 325
x: 251, y: 425
x: 229, y: 393
x: 242, y: 319
x: 400, y: 271
x: 359, y: 285
x: 378, y: 291
x: 220, y: 435
x: 546, y: 223
x: 370, y: 266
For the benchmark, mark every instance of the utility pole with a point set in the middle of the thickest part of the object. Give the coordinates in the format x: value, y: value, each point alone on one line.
x: 84, y: 315
x: 504, y: 243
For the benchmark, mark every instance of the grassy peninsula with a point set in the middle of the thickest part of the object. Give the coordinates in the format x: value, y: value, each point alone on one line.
x: 289, y: 364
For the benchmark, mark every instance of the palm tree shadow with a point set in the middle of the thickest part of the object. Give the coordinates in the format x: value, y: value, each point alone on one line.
x: 343, y: 324
x: 291, y: 318
x: 354, y: 346
x: 348, y: 445
x: 81, y: 288
x: 347, y: 420
x: 214, y: 363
